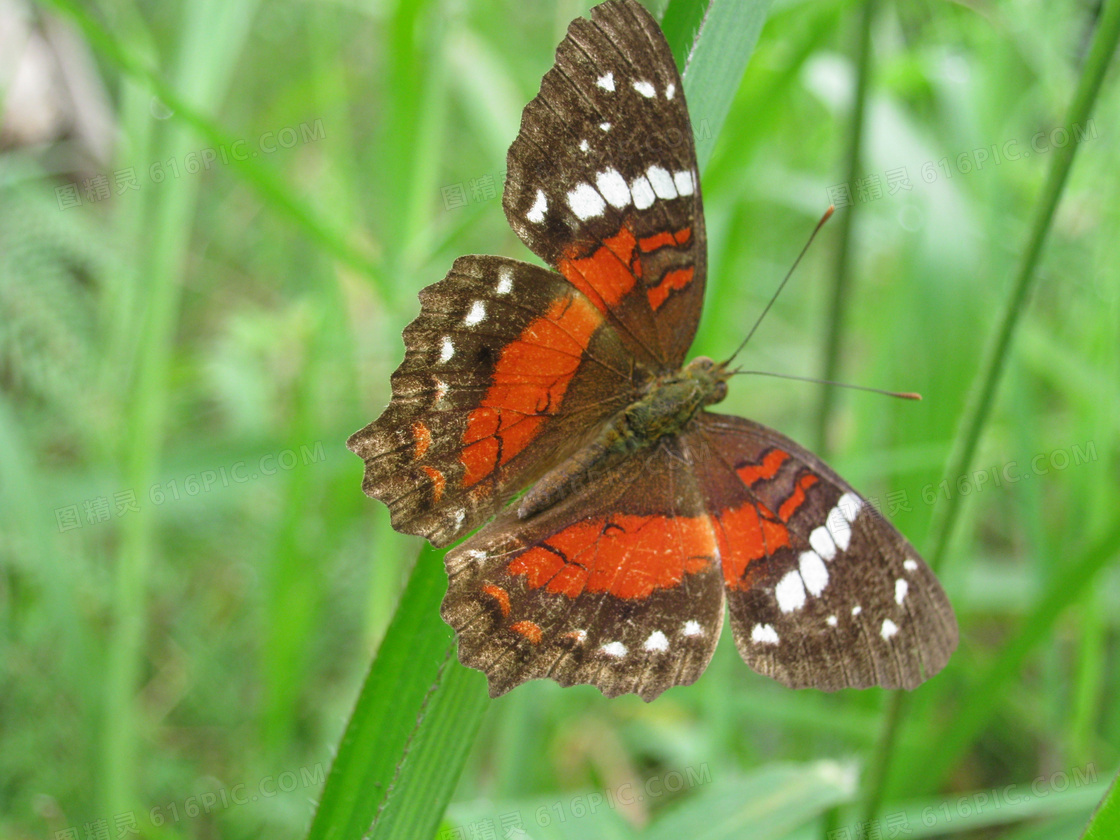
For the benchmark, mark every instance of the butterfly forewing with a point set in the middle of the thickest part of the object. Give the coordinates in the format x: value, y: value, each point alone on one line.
x: 506, y: 367
x: 602, y: 180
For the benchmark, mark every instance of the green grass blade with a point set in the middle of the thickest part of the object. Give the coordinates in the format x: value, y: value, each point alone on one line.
x: 768, y: 804
x: 164, y: 260
x: 1105, y: 822
x: 968, y: 813
x: 680, y: 23
x: 268, y: 185
x: 715, y: 63
x: 988, y: 378
x: 976, y: 414
x: 1037, y: 627
x: 432, y: 767
x: 401, y: 718
x: 842, y: 267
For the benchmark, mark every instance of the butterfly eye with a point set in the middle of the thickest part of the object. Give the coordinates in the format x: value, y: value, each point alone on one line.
x: 702, y: 364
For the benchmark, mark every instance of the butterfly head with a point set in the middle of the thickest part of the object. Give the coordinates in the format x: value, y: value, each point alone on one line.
x: 710, y: 378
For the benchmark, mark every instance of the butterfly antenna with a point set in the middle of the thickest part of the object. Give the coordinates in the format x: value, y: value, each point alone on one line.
x: 902, y: 395
x: 782, y: 285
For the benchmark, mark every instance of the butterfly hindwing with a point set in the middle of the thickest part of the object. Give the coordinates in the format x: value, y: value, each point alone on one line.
x: 602, y: 180
x: 618, y: 586
x: 822, y: 590
x: 506, y: 366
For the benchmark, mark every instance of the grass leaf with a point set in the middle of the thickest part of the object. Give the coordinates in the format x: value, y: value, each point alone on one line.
x: 978, y: 412
x: 1105, y: 822
x: 721, y: 48
x: 770, y: 803
x: 384, y: 767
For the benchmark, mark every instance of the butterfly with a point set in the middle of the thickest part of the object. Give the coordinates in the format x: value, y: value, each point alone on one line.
x: 555, y: 409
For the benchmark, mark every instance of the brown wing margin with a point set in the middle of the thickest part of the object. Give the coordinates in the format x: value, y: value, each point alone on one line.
x: 822, y: 590
x: 505, y: 366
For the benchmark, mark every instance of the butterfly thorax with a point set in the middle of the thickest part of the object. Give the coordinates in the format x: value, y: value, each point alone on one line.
x: 664, y: 407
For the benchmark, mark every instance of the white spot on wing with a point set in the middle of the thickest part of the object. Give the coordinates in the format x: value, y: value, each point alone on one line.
x: 692, y: 628
x: 889, y: 629
x: 606, y: 126
x: 822, y: 543
x: 764, y: 634
x: 475, y: 555
x: 850, y: 505
x: 684, y: 182
x: 613, y: 187
x: 900, y: 587
x: 539, y: 208
x: 615, y: 649
x: 505, y: 280
x: 670, y: 91
x: 656, y: 641
x: 839, y: 528
x: 813, y: 572
x: 584, y: 145
x: 831, y: 621
x: 460, y: 515
x: 606, y: 82
x: 579, y: 635
x: 857, y: 609
x: 910, y: 565
x: 661, y: 181
x: 790, y: 592
x: 586, y: 202
x: 643, y: 193
x: 446, y: 350
x: 477, y: 314
x: 645, y: 89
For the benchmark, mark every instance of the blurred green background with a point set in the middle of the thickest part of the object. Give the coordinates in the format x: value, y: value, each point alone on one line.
x: 202, y: 288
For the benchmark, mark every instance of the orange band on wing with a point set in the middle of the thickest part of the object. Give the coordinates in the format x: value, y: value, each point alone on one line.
x: 626, y: 556
x: 499, y: 595
x: 660, y: 240
x: 797, y: 498
x: 528, y: 384
x: 746, y: 534
x: 438, y: 482
x: 769, y: 467
x: 606, y: 275
x: 529, y: 630
x: 422, y: 435
x: 673, y: 280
